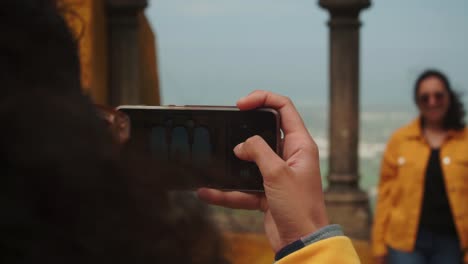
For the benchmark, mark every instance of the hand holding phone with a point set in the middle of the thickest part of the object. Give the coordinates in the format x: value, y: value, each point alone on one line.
x: 293, y: 201
x: 203, y: 138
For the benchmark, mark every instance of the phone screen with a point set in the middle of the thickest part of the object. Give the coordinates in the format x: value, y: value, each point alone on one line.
x: 203, y: 139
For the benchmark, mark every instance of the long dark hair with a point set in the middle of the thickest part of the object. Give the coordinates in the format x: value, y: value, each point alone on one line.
x: 67, y: 194
x: 37, y: 48
x: 454, y: 118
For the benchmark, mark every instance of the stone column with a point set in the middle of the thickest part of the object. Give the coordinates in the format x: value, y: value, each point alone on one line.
x: 123, y: 48
x: 346, y: 203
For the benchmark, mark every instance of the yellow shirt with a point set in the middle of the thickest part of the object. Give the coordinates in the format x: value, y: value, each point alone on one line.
x: 401, y: 187
x: 333, y: 250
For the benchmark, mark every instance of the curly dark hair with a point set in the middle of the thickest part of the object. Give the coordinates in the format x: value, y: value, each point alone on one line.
x: 68, y: 194
x: 37, y: 48
x: 454, y: 118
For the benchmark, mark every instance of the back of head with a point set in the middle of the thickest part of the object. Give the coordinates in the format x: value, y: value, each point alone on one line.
x: 37, y: 48
x: 66, y: 194
x: 67, y: 197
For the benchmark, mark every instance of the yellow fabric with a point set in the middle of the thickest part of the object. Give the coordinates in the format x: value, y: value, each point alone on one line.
x: 332, y: 250
x: 401, y: 187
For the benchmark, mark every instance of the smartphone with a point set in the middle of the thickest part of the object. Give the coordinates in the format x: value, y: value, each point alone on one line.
x: 204, y: 137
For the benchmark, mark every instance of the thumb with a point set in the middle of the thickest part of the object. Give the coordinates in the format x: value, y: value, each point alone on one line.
x: 272, y: 167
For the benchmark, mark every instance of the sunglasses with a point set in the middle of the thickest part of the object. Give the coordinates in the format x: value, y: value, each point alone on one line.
x: 425, y: 98
x: 117, y: 122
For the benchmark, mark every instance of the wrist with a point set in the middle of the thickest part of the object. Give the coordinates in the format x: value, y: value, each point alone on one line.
x: 303, y: 228
x: 291, y: 236
x: 320, y: 234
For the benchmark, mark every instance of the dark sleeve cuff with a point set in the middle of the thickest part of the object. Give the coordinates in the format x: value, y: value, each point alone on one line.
x: 322, y: 233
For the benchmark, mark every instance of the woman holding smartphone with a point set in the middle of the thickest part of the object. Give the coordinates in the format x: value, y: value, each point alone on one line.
x: 70, y: 194
x: 422, y: 210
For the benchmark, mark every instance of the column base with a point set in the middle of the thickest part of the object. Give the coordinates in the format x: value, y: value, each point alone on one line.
x: 349, y: 208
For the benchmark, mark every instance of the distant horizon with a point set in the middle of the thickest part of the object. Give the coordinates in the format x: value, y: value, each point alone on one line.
x: 216, y: 51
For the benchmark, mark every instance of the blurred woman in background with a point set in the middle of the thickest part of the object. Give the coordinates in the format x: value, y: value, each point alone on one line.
x: 422, y: 207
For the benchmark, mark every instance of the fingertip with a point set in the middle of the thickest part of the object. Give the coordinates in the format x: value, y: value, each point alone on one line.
x: 237, y: 149
x: 204, y: 193
x: 252, y: 100
x: 241, y: 100
x: 243, y: 103
x: 201, y: 190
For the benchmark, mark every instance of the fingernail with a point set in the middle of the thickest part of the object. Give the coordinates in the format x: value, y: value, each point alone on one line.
x: 237, y: 148
x: 241, y: 99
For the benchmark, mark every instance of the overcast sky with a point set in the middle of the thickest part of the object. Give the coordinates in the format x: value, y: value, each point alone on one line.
x: 215, y: 51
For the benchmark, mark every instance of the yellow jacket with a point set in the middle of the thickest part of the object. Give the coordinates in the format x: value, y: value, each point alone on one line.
x: 401, y: 187
x: 333, y: 250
